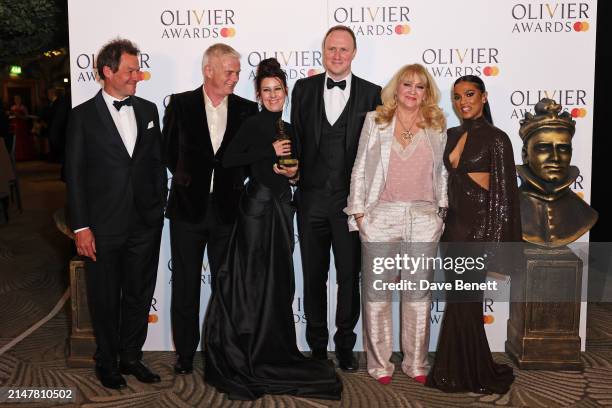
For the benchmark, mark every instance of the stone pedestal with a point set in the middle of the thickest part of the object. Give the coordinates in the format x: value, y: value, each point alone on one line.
x: 82, y: 340
x: 543, y: 329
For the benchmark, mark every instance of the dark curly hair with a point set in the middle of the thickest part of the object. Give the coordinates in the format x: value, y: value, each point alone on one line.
x: 111, y: 52
x: 269, y: 68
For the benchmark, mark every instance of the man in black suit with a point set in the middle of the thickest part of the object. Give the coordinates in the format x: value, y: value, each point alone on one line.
x: 203, y: 202
x: 116, y: 195
x: 327, y: 113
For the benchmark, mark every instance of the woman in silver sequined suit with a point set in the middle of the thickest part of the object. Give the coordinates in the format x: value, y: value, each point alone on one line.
x: 398, y: 185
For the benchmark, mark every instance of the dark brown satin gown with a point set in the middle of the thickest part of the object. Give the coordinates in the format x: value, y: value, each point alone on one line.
x: 463, y: 361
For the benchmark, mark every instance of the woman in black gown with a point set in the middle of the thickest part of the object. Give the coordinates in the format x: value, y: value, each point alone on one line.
x: 249, y: 333
x: 483, y: 207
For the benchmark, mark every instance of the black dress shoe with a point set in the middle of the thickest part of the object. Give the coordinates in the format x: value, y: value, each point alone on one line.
x: 139, y: 370
x: 183, y: 366
x: 347, y: 360
x: 110, y: 377
x: 319, y: 354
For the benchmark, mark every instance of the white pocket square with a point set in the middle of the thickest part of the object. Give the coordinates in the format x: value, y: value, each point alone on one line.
x: 150, y: 125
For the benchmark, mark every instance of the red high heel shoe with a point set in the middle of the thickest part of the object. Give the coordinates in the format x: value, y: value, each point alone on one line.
x: 386, y: 380
x: 420, y: 379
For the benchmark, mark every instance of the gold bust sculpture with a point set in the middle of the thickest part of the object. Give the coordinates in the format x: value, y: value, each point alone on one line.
x: 552, y: 214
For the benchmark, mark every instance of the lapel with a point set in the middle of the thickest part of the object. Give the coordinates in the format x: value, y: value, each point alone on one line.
x: 141, y: 125
x: 109, y: 124
x: 232, y: 120
x: 434, y: 144
x: 198, y: 124
x: 386, y: 140
x: 352, y: 114
x: 318, y: 106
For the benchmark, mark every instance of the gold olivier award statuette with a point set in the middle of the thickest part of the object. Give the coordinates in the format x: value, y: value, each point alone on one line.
x: 287, y: 160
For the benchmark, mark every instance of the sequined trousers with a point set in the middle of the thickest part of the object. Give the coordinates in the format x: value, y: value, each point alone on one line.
x: 389, y: 229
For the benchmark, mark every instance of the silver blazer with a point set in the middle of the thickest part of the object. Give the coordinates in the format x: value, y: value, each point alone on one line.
x: 372, y: 162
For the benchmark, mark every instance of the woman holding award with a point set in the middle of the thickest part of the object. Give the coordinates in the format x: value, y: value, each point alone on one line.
x: 249, y: 334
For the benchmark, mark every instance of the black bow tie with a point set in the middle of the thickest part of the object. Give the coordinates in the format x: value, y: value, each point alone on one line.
x: 126, y: 102
x: 340, y: 84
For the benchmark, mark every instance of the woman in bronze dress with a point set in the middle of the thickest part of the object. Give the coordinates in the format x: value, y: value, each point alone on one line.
x: 483, y: 207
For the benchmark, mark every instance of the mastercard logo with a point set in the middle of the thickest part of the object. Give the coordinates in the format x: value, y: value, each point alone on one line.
x: 580, y: 26
x: 228, y: 32
x: 401, y: 29
x: 312, y: 72
x: 153, y: 318
x: 145, y: 75
x: 490, y: 71
x: 488, y: 319
x: 579, y: 113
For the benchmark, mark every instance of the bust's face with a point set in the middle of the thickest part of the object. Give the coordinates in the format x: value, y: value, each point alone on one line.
x: 549, y: 153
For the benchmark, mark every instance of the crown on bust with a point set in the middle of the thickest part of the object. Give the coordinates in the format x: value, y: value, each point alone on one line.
x: 546, y: 116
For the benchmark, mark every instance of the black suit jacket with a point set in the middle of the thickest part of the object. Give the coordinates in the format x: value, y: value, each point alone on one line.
x: 190, y: 157
x: 307, y: 110
x: 104, y: 183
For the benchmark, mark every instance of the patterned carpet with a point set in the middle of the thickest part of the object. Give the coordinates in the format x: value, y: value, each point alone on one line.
x: 33, y: 277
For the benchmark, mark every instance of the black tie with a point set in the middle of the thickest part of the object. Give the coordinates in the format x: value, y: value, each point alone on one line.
x: 126, y: 102
x: 340, y: 84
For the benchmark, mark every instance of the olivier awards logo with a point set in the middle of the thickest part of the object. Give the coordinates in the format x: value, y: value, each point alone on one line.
x: 550, y: 17
x: 488, y: 312
x: 437, y: 311
x: 372, y: 21
x: 457, y: 62
x: 198, y: 24
x: 88, y: 70
x: 296, y: 63
x: 153, y: 317
x: 205, y: 276
x: 524, y: 100
x: 298, y: 311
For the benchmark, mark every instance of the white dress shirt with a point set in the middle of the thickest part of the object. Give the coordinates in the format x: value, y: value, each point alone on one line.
x: 216, y: 117
x: 125, y: 121
x: 335, y: 99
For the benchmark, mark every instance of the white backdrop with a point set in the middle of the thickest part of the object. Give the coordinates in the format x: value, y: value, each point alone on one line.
x: 524, y: 50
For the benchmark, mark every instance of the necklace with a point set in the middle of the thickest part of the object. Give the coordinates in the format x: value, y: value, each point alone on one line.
x: 406, y: 134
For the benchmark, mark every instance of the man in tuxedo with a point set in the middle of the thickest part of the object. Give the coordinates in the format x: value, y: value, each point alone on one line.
x: 203, y: 202
x: 116, y: 195
x: 327, y: 113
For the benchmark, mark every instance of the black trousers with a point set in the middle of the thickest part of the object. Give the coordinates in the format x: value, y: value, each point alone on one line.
x: 120, y: 286
x: 187, y: 244
x: 323, y: 225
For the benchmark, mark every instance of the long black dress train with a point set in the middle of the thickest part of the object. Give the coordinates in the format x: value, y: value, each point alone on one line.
x: 463, y: 360
x: 249, y: 333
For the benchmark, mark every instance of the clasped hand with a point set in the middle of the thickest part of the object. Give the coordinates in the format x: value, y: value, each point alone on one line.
x: 288, y: 172
x: 282, y: 147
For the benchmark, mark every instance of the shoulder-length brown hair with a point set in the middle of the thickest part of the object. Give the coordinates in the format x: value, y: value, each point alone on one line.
x: 433, y: 117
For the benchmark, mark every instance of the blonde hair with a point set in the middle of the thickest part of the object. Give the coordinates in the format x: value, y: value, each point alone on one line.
x: 218, y: 50
x: 433, y: 117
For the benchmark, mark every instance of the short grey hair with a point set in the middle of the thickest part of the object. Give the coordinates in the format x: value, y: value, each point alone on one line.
x: 218, y: 50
